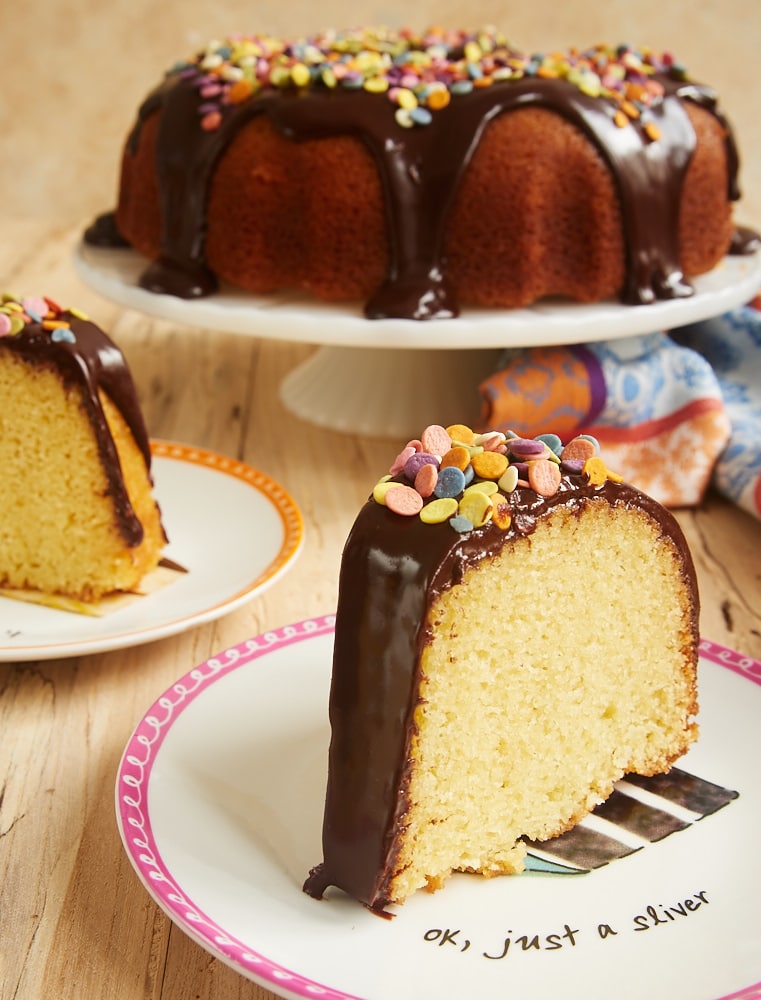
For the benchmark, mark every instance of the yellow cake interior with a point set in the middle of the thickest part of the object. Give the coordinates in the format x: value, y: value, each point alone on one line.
x: 59, y: 531
x: 555, y: 668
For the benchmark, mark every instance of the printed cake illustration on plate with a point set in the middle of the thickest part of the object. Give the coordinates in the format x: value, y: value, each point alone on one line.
x: 639, y: 811
x: 516, y: 632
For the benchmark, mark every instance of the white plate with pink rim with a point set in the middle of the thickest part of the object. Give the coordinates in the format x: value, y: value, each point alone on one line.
x: 230, y: 526
x: 219, y: 799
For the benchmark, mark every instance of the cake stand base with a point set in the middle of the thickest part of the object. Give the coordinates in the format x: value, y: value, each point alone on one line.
x: 385, y: 378
x: 385, y: 392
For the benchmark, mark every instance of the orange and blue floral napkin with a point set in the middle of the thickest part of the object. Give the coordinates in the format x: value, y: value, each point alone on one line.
x: 674, y: 411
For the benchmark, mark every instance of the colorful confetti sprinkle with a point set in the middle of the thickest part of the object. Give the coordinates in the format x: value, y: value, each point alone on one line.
x: 17, y: 313
x: 420, y: 73
x: 466, y: 478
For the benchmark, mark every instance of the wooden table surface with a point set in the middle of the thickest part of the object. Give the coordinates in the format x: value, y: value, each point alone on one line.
x: 75, y: 922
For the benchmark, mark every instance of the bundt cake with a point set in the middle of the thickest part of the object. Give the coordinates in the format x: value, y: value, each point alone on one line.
x: 419, y: 172
x: 517, y: 628
x: 79, y: 517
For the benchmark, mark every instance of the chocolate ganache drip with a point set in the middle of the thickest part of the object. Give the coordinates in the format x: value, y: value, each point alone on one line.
x: 87, y: 358
x: 420, y: 167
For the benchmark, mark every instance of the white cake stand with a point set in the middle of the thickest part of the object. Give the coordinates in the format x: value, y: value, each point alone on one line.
x: 416, y: 372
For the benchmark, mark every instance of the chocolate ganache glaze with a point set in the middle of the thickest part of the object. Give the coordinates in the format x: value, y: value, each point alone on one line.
x: 393, y: 570
x: 420, y: 167
x: 88, y: 359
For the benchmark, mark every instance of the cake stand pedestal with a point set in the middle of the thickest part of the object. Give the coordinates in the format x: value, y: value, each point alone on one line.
x: 387, y: 392
x: 389, y: 378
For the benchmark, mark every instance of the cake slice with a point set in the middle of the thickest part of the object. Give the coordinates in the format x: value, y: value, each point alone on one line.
x: 517, y: 628
x: 79, y: 517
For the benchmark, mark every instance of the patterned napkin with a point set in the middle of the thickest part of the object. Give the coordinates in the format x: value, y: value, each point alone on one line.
x: 674, y: 410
